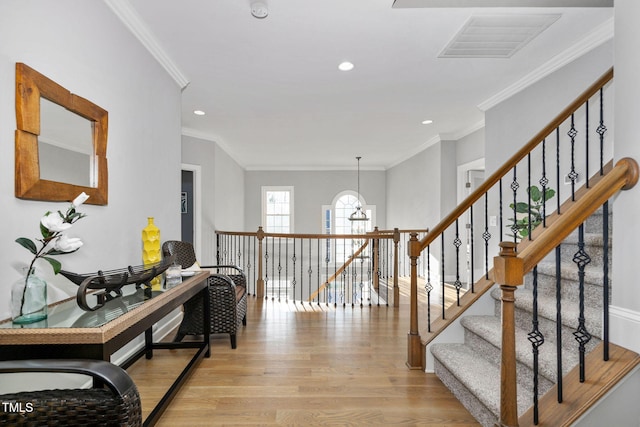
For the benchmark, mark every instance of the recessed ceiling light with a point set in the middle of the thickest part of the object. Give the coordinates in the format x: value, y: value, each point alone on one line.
x: 198, y: 112
x: 345, y: 66
x: 427, y: 122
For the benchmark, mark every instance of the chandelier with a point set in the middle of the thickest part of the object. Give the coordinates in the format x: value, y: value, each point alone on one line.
x: 358, y: 214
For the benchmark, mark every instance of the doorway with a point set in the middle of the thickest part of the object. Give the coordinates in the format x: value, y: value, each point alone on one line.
x: 190, y: 214
x: 470, y: 177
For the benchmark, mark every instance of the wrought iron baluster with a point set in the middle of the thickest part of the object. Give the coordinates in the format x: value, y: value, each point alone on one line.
x: 605, y: 279
x: 558, y: 169
x: 582, y: 336
x: 500, y: 204
x: 529, y: 225
x: 514, y: 188
x: 536, y: 338
x: 279, y: 267
x: 294, y: 258
x: 559, y: 322
x: 302, y: 264
x: 457, y: 242
x: 319, y: 268
x: 543, y: 182
x: 573, y: 175
x: 486, y: 235
x: 601, y: 130
x: 471, y: 251
x: 310, y: 272
x: 442, y: 278
x: 428, y: 287
x: 266, y: 269
x: 586, y: 140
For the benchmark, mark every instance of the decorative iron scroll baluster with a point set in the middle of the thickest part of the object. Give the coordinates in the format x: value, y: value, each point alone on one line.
x: 559, y: 322
x: 529, y: 226
x: 239, y: 252
x: 543, y: 182
x: 442, y: 278
x: 266, y: 269
x: 327, y: 290
x: 319, y: 268
x: 294, y: 258
x: 601, y: 130
x: 286, y: 270
x: 310, y: 272
x: 486, y: 235
x: 471, y: 251
x: 605, y: 279
x: 536, y: 339
x: 457, y: 242
x: 428, y: 287
x: 354, y: 283
x: 500, y: 204
x: 581, y: 258
x: 558, y: 198
x: 573, y: 175
x: 279, y: 266
x: 586, y: 140
x: 514, y: 187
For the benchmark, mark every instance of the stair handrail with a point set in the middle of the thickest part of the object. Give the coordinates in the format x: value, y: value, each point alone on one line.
x: 511, y: 265
x: 501, y: 172
x: 415, y: 353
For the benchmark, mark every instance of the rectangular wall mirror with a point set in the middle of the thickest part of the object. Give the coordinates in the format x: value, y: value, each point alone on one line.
x: 60, y: 143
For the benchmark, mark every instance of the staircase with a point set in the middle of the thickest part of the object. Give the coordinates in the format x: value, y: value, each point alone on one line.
x: 471, y: 370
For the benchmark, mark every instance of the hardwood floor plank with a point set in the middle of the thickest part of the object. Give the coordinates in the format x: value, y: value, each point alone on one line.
x: 299, y: 364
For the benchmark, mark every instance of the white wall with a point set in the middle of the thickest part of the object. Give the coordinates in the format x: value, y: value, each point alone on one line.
x: 312, y: 190
x: 625, y: 310
x: 85, y: 48
x: 222, y: 203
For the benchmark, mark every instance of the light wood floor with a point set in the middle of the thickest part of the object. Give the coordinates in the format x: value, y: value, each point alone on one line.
x: 301, y: 365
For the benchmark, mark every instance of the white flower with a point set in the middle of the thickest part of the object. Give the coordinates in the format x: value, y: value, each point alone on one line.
x: 80, y: 199
x: 67, y: 244
x: 54, y: 222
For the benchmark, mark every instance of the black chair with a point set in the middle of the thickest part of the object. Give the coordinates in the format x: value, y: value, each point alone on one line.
x: 227, y: 295
x: 113, y: 400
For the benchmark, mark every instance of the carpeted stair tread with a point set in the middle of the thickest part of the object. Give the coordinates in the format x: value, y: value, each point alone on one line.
x: 489, y: 329
x: 480, y: 376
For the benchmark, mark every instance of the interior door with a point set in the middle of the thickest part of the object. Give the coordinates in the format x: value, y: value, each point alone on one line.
x: 187, y: 206
x: 474, y: 177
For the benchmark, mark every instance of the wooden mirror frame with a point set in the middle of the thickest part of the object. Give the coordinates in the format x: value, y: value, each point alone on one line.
x: 30, y: 87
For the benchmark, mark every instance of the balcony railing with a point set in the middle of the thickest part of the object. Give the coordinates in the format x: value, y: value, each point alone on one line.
x: 338, y: 269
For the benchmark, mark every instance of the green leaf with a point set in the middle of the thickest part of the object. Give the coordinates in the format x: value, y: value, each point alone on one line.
x: 549, y: 193
x: 534, y: 193
x: 57, y: 266
x: 521, y: 207
x: 27, y: 243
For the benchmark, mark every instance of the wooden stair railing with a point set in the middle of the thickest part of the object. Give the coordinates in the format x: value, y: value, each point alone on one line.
x: 511, y: 266
x: 253, y: 252
x: 416, y: 358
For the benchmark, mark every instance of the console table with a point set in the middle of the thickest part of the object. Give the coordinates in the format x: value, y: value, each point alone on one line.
x: 69, y: 332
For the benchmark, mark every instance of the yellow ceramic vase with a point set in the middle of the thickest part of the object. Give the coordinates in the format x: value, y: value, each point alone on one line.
x: 151, y: 253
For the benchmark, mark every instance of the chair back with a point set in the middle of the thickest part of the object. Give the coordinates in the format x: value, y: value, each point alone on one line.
x: 183, y: 251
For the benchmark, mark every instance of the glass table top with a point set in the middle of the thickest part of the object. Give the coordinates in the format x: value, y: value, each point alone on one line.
x: 67, y: 314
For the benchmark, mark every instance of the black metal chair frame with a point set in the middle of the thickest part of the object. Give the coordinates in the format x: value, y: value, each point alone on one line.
x: 113, y: 401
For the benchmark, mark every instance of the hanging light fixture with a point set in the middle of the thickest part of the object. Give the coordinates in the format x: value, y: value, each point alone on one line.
x: 358, y: 214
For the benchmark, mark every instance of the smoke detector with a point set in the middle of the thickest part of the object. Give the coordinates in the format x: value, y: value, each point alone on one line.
x: 259, y: 10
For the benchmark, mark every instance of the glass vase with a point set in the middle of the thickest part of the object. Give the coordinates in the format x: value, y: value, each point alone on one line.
x: 29, y: 299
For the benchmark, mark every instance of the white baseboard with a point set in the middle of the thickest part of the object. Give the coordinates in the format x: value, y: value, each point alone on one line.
x: 624, y: 327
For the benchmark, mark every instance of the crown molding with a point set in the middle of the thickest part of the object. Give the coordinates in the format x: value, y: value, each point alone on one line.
x: 601, y: 34
x: 461, y: 133
x: 192, y: 133
x: 130, y: 18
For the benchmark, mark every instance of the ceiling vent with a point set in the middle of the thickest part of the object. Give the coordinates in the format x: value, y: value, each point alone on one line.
x: 496, y: 36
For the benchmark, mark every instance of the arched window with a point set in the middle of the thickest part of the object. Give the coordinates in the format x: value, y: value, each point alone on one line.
x: 336, y: 221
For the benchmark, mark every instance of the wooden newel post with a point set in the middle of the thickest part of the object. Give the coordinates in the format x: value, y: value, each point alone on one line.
x: 396, y: 288
x: 508, y: 272
x: 415, y: 350
x: 260, y: 284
